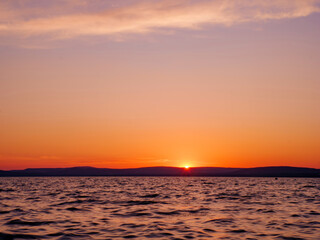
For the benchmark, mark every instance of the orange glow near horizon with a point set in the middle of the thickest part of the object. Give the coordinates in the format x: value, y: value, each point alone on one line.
x: 126, y: 84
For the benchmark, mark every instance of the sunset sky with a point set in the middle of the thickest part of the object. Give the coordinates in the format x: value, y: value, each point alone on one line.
x: 136, y: 83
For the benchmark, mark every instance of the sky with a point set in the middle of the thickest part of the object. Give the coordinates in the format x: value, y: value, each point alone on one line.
x: 137, y: 83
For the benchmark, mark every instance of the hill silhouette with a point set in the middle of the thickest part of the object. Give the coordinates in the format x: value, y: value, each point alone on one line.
x: 168, y: 171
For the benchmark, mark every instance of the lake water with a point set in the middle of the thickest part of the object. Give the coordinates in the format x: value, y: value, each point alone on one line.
x: 159, y: 208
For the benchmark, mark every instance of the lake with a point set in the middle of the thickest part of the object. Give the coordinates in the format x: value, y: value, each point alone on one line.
x: 159, y: 208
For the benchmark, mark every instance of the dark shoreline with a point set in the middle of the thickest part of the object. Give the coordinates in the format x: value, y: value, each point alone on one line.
x: 162, y: 176
x: 280, y: 171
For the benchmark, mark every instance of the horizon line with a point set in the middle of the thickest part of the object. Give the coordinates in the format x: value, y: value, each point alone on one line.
x: 189, y: 167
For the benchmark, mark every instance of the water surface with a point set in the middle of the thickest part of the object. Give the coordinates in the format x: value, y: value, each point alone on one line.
x: 159, y: 207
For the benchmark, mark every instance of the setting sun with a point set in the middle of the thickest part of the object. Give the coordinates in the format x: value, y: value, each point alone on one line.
x: 186, y: 167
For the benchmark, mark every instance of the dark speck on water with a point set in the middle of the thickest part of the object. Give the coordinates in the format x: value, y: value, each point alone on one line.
x: 159, y: 208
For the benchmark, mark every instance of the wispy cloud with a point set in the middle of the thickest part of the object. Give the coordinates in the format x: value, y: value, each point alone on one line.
x: 70, y: 19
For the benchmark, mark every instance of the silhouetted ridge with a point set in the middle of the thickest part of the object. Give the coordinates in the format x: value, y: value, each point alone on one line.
x: 168, y: 171
x: 278, y: 172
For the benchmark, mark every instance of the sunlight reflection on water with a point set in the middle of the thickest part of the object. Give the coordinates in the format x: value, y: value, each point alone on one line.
x: 159, y: 207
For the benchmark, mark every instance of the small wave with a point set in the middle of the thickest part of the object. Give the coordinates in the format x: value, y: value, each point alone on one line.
x: 238, y: 231
x: 7, y: 190
x: 78, y: 202
x: 55, y: 234
x: 208, y: 183
x: 130, y: 236
x: 290, y: 238
x: 4, y: 212
x: 151, y: 195
x: 314, y: 213
x: 176, y: 212
x: 132, y: 225
x: 138, y: 214
x: 313, y: 223
x: 8, y: 236
x: 309, y: 186
x: 27, y: 223
x: 73, y: 209
x: 266, y: 210
x: 18, y: 210
x: 137, y: 202
x: 221, y: 220
x: 70, y: 202
x: 196, y: 210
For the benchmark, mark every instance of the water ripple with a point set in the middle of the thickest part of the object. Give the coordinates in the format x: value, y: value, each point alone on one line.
x: 159, y: 208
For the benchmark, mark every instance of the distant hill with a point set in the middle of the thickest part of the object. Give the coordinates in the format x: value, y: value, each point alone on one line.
x: 167, y: 171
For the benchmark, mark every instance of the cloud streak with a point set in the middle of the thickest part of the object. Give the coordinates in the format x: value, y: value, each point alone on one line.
x: 92, y: 18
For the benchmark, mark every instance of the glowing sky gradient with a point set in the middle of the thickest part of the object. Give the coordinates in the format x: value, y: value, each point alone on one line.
x: 133, y: 83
